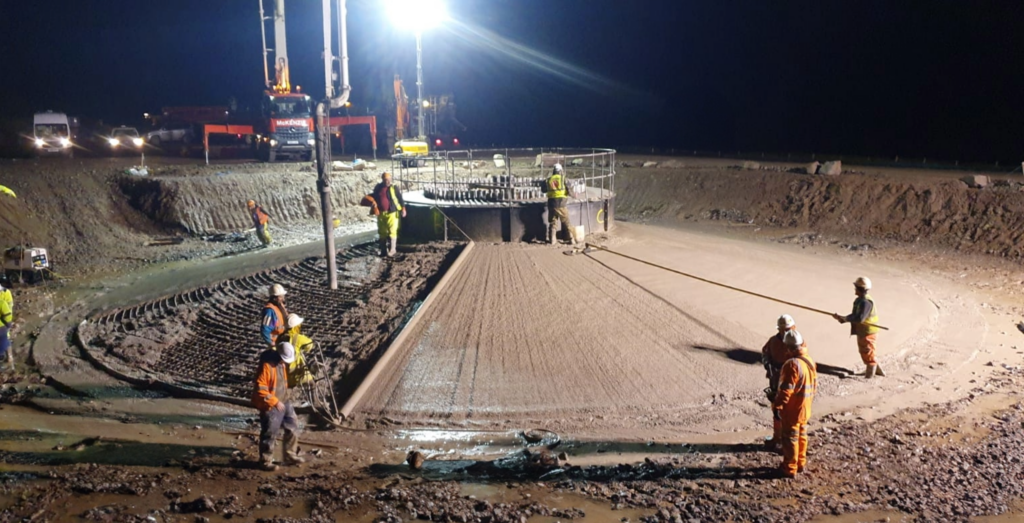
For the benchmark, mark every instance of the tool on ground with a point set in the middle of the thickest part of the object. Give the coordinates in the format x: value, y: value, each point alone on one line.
x: 712, y: 282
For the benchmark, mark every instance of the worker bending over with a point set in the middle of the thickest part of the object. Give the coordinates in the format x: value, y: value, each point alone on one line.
x: 298, y: 371
x: 792, y: 406
x: 773, y: 355
x: 260, y: 220
x: 274, y: 314
x: 557, y: 211
x: 390, y: 204
x: 270, y: 397
x: 864, y: 324
x: 6, y: 322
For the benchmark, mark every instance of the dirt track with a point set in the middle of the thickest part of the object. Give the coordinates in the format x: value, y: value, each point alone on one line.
x: 578, y: 340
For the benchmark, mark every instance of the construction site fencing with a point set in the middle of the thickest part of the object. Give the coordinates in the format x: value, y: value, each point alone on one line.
x: 505, y: 175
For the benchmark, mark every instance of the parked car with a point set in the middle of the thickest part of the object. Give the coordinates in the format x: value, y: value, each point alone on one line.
x: 124, y: 139
x: 51, y: 134
x: 170, y: 133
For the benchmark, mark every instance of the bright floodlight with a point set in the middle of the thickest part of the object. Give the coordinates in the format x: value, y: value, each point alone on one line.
x: 416, y: 15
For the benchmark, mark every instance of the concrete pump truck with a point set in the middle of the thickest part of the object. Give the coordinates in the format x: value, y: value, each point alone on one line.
x: 285, y: 126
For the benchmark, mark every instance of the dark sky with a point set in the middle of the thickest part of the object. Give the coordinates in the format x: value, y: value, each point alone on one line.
x: 935, y: 78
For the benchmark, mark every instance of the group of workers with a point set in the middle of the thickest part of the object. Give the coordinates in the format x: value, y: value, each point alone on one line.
x: 282, y: 370
x: 793, y: 376
x: 387, y: 204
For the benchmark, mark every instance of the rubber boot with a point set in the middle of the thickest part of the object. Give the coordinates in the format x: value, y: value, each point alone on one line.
x: 392, y: 246
x: 869, y: 372
x: 267, y: 463
x: 291, y: 448
x: 383, y: 248
x: 552, y: 235
x: 10, y: 359
x: 879, y: 371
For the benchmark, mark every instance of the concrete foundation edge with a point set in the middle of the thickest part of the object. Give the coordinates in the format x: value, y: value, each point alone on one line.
x: 385, y: 359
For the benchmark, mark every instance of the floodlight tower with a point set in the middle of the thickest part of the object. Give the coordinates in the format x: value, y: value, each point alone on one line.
x: 417, y: 15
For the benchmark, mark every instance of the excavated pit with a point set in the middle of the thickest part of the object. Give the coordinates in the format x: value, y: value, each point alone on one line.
x: 205, y: 342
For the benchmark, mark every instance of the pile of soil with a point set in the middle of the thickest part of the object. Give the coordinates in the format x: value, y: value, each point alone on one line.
x: 940, y: 211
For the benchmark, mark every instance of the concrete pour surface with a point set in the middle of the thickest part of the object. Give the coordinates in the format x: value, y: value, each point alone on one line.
x: 601, y: 343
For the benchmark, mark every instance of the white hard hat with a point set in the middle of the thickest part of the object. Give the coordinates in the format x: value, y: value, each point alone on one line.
x: 294, y: 320
x: 793, y: 339
x: 786, y: 322
x: 287, y: 351
x: 277, y: 290
x: 863, y: 282
x: 558, y: 167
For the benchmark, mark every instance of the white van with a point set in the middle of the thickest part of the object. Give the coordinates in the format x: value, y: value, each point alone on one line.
x: 51, y: 134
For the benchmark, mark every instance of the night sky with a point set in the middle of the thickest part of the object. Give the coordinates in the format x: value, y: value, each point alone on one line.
x: 941, y: 79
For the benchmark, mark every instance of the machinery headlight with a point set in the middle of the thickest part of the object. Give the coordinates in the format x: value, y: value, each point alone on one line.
x: 137, y: 141
x: 40, y: 142
x: 65, y: 142
x: 273, y: 142
x: 311, y: 141
x: 114, y: 142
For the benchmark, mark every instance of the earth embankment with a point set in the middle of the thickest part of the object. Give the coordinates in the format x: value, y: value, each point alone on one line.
x: 941, y: 211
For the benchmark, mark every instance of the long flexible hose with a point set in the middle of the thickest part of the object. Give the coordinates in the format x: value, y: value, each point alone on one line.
x: 730, y: 287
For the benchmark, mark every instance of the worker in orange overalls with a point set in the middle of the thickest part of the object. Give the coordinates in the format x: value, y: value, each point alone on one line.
x: 270, y: 397
x: 773, y: 355
x: 863, y: 323
x: 792, y: 406
x: 274, y: 314
x: 260, y: 220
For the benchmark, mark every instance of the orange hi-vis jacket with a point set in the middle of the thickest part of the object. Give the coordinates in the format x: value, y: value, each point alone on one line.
x: 259, y: 216
x: 797, y: 382
x: 271, y: 385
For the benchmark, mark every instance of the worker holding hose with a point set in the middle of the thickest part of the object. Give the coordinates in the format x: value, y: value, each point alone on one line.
x: 774, y: 355
x: 557, y: 212
x: 798, y: 380
x: 298, y: 372
x: 864, y: 324
x: 260, y: 220
x: 390, y: 203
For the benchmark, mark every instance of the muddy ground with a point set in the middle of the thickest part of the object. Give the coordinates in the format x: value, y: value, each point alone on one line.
x: 946, y: 450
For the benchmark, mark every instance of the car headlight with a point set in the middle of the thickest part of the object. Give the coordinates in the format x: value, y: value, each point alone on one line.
x: 65, y: 142
x: 113, y: 142
x: 273, y: 142
x: 40, y: 142
x: 138, y: 142
x: 311, y: 141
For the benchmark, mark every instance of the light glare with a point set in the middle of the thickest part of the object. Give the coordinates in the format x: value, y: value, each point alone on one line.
x: 416, y: 15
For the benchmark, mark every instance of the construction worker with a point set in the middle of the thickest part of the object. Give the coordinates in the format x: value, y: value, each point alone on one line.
x: 6, y: 322
x: 274, y: 314
x: 260, y: 220
x: 863, y: 324
x: 270, y: 397
x: 390, y: 203
x: 557, y: 196
x: 792, y: 406
x: 773, y: 355
x: 298, y: 372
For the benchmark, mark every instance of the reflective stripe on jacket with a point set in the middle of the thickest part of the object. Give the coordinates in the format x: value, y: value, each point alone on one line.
x: 797, y: 383
x: 273, y: 323
x: 271, y: 386
x: 864, y: 311
x: 389, y: 200
x: 259, y: 216
x: 556, y: 186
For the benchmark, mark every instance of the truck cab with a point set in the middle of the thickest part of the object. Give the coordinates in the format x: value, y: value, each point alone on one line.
x: 51, y: 134
x: 285, y: 127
